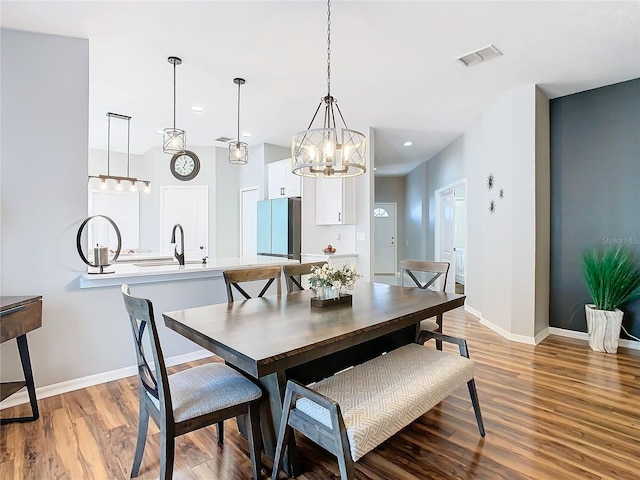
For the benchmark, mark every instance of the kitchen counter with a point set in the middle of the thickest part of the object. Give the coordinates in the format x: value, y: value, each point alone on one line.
x: 168, y: 270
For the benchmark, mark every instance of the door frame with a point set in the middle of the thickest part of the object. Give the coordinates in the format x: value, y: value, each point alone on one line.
x: 438, y: 226
x: 395, y: 237
x: 241, y: 212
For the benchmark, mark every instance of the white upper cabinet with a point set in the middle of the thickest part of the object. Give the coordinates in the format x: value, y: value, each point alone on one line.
x: 283, y: 183
x: 335, y: 201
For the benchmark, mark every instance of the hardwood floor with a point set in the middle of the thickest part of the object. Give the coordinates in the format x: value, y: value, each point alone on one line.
x: 555, y: 411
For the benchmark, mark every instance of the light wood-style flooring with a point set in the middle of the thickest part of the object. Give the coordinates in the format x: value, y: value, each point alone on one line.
x: 555, y: 411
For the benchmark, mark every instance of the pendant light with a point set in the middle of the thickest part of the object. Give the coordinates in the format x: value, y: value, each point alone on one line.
x: 328, y: 151
x: 129, y: 181
x: 174, y: 140
x: 238, y: 151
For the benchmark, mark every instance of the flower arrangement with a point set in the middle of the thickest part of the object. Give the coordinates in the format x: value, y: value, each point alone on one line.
x: 328, y: 276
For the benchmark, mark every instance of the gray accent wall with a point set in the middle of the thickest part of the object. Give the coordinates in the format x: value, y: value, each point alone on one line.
x: 595, y: 191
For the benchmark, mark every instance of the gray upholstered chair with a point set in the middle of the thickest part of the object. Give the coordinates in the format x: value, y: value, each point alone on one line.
x: 294, y: 271
x: 232, y: 278
x: 188, y: 400
x: 432, y: 271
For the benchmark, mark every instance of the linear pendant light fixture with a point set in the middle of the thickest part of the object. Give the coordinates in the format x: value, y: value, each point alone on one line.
x: 131, y: 182
x: 174, y: 140
x: 238, y: 151
x: 327, y: 151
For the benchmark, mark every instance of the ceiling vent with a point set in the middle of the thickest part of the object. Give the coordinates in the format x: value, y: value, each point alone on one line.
x: 484, y: 54
x: 223, y: 139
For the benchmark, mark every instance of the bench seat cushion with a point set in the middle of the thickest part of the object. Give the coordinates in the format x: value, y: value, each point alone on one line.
x: 382, y: 396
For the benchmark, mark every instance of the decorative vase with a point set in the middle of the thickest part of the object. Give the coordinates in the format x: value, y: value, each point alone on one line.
x: 604, y: 328
x: 326, y: 292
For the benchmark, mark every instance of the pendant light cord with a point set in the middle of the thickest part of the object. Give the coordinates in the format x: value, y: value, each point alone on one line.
x: 174, y: 95
x: 329, y: 48
x: 238, y: 113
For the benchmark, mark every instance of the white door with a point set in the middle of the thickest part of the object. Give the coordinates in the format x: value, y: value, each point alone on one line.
x: 187, y: 206
x: 385, y: 238
x: 447, y: 235
x: 249, y: 221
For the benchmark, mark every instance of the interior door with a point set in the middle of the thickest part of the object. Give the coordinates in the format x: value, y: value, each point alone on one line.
x: 447, y: 235
x: 187, y: 206
x: 385, y: 238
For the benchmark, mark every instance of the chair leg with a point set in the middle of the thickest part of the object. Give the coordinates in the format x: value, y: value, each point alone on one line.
x: 143, y: 426
x: 439, y: 330
x: 473, y: 393
x: 255, y: 439
x: 220, y: 430
x: 283, y: 434
x: 167, y: 453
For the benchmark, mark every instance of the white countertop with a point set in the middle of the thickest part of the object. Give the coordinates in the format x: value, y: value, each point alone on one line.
x: 333, y: 255
x: 156, y: 271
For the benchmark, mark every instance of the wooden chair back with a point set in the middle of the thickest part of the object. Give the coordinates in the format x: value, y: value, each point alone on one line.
x: 233, y: 278
x: 153, y: 380
x: 436, y: 269
x: 293, y: 272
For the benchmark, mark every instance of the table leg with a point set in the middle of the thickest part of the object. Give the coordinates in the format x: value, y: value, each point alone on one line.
x: 23, y: 349
x: 275, y: 385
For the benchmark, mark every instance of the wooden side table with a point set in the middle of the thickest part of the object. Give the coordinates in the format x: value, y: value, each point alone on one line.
x: 19, y: 315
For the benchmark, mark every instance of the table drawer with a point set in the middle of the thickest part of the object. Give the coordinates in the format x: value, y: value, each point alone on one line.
x: 20, y: 320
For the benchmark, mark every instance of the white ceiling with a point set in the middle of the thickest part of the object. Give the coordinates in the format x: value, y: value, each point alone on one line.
x: 392, y: 64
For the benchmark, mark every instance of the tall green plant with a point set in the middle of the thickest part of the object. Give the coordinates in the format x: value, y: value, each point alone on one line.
x: 612, y: 277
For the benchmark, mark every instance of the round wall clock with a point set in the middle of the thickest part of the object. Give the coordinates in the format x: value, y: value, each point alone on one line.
x: 185, y: 166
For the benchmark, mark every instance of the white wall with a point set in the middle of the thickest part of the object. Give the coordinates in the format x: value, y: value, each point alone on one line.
x: 43, y: 202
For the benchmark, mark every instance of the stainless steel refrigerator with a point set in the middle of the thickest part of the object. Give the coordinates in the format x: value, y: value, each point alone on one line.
x: 279, y: 225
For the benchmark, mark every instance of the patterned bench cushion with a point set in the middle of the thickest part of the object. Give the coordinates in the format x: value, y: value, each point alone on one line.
x: 382, y: 396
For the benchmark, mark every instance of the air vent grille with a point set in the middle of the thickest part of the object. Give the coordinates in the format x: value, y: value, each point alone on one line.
x: 223, y: 139
x: 479, y: 56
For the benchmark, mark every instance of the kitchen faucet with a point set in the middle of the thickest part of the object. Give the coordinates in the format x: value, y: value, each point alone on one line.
x: 179, y: 256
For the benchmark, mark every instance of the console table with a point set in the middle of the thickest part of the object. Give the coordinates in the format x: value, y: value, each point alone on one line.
x: 19, y: 315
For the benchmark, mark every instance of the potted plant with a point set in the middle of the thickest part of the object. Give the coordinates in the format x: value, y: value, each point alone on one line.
x: 613, y: 279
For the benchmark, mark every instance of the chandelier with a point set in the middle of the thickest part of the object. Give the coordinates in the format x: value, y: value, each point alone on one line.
x: 328, y: 151
x: 118, y: 182
x: 238, y: 151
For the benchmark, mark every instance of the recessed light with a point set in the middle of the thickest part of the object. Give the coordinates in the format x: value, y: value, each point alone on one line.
x: 408, y: 144
x: 246, y: 134
x: 197, y: 108
x: 374, y: 169
x: 160, y: 132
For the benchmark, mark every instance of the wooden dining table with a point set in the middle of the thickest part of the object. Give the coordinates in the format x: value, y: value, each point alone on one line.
x: 277, y: 338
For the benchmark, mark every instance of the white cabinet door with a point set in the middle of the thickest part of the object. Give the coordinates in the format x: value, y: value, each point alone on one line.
x: 276, y: 180
x: 282, y: 183
x: 335, y: 201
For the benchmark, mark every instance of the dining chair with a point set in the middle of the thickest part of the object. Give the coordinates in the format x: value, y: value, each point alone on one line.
x: 293, y: 272
x: 434, y: 271
x: 233, y: 277
x: 188, y: 400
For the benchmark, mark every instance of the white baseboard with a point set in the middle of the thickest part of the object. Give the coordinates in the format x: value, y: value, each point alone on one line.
x: 76, y: 384
x: 472, y: 311
x: 507, y: 334
x: 563, y: 332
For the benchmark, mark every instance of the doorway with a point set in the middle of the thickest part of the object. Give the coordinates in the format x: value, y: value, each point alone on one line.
x: 450, y: 233
x: 385, y: 239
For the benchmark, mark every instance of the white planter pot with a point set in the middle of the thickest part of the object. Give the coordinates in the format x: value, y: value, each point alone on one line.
x: 604, y: 328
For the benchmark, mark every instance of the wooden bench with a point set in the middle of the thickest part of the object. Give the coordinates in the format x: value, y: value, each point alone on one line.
x: 355, y: 410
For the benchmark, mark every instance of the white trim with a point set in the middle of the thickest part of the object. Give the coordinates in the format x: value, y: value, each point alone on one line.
x: 472, y: 311
x: 438, y: 225
x: 91, y: 380
x: 563, y: 332
x: 541, y: 336
x: 506, y: 334
x: 241, y: 215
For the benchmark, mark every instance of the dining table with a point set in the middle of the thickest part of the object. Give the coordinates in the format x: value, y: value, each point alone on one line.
x: 276, y: 338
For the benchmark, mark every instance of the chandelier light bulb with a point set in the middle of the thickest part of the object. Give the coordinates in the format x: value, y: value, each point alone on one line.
x: 133, y: 188
x: 118, y: 186
x: 103, y: 184
x: 147, y: 187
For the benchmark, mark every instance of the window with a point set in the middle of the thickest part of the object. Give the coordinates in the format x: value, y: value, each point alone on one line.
x: 380, y: 212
